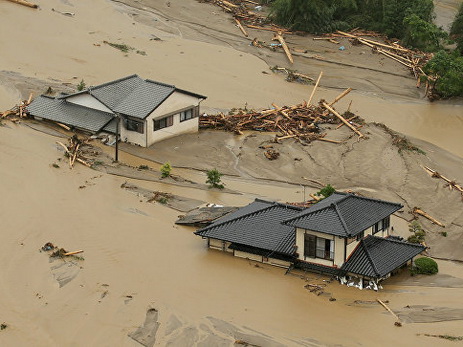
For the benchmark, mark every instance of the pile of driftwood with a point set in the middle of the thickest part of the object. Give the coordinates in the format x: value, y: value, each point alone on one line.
x: 17, y: 112
x: 412, y: 59
x: 300, y: 122
x: 75, y: 150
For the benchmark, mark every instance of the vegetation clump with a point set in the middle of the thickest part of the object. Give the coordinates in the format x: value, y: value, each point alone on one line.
x: 401, y: 142
x: 81, y: 86
x: 456, y: 31
x: 166, y: 169
x: 425, y: 266
x: 418, y: 232
x: 326, y: 191
x: 143, y: 167
x: 3, y: 326
x: 214, y: 179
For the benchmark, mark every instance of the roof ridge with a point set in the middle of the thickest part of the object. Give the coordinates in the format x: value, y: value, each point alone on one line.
x: 341, y: 218
x: 398, y: 241
x: 307, y: 212
x: 112, y: 82
x: 369, y: 257
x: 271, y: 204
x: 234, y: 219
x: 85, y: 107
x: 160, y: 83
x: 377, y: 200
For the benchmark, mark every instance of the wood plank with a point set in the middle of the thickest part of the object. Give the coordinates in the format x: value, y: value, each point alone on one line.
x: 328, y: 107
x: 315, y: 88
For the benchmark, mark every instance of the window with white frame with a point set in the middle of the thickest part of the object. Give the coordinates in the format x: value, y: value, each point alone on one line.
x: 383, y: 224
x: 189, y: 114
x: 318, y: 247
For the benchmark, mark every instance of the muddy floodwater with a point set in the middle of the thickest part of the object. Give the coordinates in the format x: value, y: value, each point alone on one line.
x: 140, y: 272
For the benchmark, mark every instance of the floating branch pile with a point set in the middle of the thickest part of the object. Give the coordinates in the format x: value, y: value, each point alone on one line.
x: 300, y: 122
x: 412, y: 59
x: 17, y: 111
x: 75, y: 151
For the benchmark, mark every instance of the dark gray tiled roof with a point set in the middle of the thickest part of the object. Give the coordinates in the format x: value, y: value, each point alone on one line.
x: 260, y: 251
x: 312, y: 267
x: 343, y: 214
x: 257, y: 226
x: 59, y: 110
x: 111, y: 127
x: 375, y: 257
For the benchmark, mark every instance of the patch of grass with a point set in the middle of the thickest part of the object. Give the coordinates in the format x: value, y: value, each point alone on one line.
x: 446, y: 337
x: 120, y: 46
x: 144, y: 167
x: 443, y: 233
x: 401, y: 142
x: 56, y: 166
x: 141, y: 52
x: 163, y: 200
x: 3, y: 326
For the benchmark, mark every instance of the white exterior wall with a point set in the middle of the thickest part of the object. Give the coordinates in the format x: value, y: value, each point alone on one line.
x: 88, y: 101
x: 246, y: 255
x: 176, y: 102
x: 338, y: 248
x: 133, y: 136
x: 276, y: 262
x: 215, y: 244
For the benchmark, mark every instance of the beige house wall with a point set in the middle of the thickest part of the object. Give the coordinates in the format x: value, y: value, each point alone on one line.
x: 173, y: 105
x: 88, y: 100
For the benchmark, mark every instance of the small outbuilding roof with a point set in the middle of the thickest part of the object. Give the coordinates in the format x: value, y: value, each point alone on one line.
x: 257, y: 225
x: 375, y: 257
x: 343, y: 214
x: 59, y: 110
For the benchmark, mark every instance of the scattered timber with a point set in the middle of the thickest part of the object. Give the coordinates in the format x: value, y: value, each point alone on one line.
x: 300, y: 122
x: 74, y: 151
x: 450, y: 183
x: 315, y: 87
x: 417, y: 211
x: 17, y: 111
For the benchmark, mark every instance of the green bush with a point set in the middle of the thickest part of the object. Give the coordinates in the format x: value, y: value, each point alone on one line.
x: 166, y: 169
x: 326, y: 191
x: 214, y: 179
x: 418, y: 232
x: 456, y: 31
x: 445, y: 74
x: 425, y: 266
x: 81, y: 86
x: 421, y: 34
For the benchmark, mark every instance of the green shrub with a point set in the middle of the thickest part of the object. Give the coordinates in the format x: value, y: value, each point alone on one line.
x: 143, y: 167
x: 166, y: 169
x: 425, y: 266
x: 445, y: 74
x: 80, y: 86
x: 326, y: 191
x: 418, y: 232
x: 214, y: 179
x: 457, y: 29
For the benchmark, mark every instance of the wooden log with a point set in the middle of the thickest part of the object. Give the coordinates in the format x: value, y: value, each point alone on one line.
x: 416, y: 210
x: 329, y: 108
x: 29, y: 99
x: 315, y: 88
x: 313, y: 196
x: 383, y: 52
x: 371, y: 42
x: 25, y: 3
x: 64, y: 146
x: 280, y: 39
x: 390, y: 311
x: 74, y: 252
x: 7, y: 113
x: 434, y: 173
x: 83, y: 162
x: 328, y: 140
x: 241, y: 27
x: 340, y: 96
x: 277, y: 30
x: 229, y: 4
x: 63, y: 126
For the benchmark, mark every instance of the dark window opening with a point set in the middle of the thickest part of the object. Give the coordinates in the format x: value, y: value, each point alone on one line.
x: 189, y: 114
x: 163, y: 123
x: 360, y: 236
x: 135, y: 125
x: 382, y: 225
x: 318, y: 247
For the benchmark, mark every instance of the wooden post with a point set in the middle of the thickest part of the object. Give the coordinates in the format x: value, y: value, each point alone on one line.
x: 315, y: 88
x: 340, y: 96
x: 25, y: 3
x: 329, y: 108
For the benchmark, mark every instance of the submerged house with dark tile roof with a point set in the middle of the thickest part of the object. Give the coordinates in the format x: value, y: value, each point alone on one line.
x: 342, y: 235
x: 149, y: 111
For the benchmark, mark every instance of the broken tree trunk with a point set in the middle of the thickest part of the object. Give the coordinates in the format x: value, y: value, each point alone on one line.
x: 452, y: 184
x: 398, y: 323
x: 74, y: 252
x: 340, y: 96
x: 416, y: 210
x: 315, y: 87
x: 333, y: 111
x: 280, y: 39
x: 25, y: 3
x: 241, y: 27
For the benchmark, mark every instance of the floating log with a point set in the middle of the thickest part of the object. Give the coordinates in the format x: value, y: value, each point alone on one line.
x: 416, y: 210
x: 280, y: 39
x: 340, y: 96
x: 74, y: 252
x: 451, y: 183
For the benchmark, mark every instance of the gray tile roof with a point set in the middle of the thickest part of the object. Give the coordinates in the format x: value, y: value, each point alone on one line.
x: 133, y: 96
x: 257, y: 225
x: 59, y: 110
x: 375, y: 257
x: 111, y: 127
x: 343, y: 214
